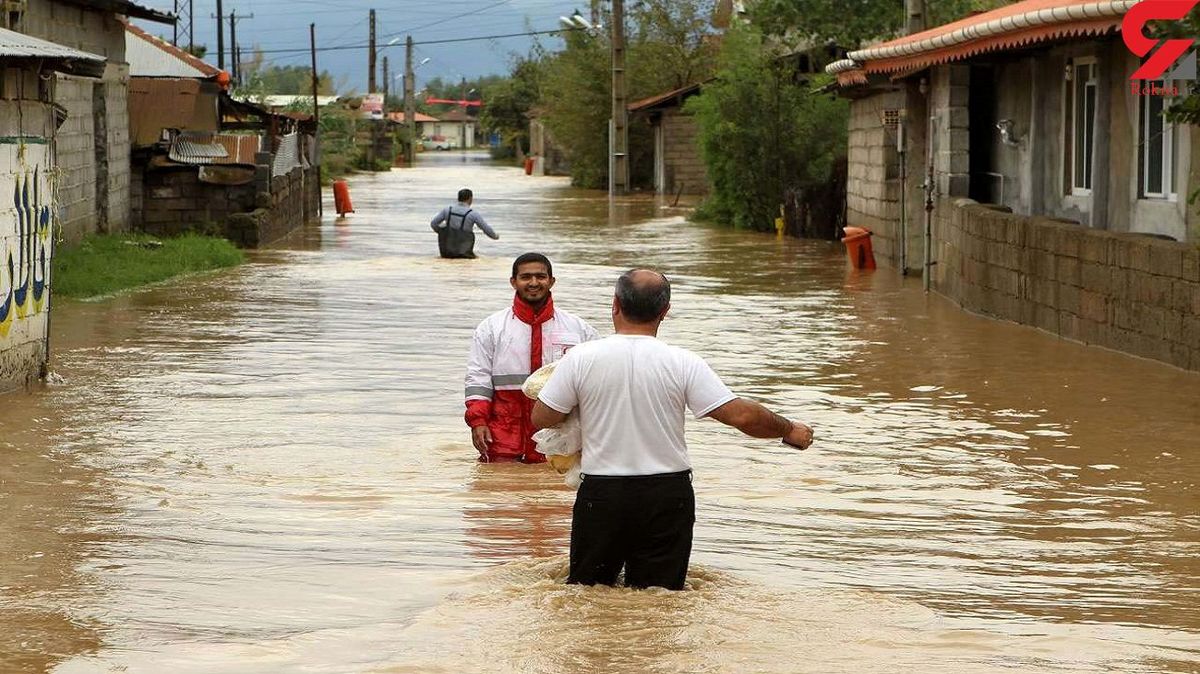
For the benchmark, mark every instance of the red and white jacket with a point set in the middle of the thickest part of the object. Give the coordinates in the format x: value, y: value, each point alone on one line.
x: 508, y: 346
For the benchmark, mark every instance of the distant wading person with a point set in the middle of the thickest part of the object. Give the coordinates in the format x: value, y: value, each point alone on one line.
x: 508, y: 346
x: 636, y: 508
x: 455, y: 227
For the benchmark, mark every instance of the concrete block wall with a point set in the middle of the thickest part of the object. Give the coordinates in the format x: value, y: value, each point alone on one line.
x: 1131, y: 293
x: 26, y: 240
x: 872, y: 197
x: 259, y: 213
x: 101, y: 33
x: 682, y: 159
x: 174, y: 202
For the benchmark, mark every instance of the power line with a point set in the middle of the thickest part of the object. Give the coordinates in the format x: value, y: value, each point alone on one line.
x: 477, y: 38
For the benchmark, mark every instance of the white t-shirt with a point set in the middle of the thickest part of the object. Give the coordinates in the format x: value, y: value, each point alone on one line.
x: 631, y: 391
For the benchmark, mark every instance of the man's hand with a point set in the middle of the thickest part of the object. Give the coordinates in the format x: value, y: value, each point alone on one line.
x: 800, y: 436
x: 481, y: 437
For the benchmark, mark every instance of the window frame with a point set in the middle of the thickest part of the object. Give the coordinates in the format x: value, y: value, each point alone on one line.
x: 1073, y: 90
x: 1167, y: 159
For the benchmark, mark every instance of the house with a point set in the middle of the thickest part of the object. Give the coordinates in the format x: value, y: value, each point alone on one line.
x: 204, y: 161
x: 29, y: 124
x: 92, y: 147
x: 425, y: 123
x: 678, y: 163
x: 1059, y: 190
x: 458, y: 126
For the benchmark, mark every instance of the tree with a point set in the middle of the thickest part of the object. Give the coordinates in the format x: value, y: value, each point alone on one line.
x: 669, y: 45
x: 762, y: 134
x: 508, y: 104
x: 851, y: 23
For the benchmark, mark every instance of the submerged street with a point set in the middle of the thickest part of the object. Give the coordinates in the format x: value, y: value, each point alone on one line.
x: 266, y: 469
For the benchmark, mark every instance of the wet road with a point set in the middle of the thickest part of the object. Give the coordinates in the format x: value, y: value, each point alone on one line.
x: 265, y: 469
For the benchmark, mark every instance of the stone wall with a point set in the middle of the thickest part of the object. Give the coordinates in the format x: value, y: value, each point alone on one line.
x: 1128, y: 292
x: 682, y: 161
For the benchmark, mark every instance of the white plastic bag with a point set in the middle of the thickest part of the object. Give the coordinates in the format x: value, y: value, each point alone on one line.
x: 562, y: 443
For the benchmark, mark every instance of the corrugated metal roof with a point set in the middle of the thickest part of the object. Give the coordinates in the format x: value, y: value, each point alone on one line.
x: 127, y: 8
x: 19, y: 45
x: 221, y: 148
x: 149, y: 56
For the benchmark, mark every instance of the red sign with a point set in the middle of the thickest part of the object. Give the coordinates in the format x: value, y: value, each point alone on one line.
x: 1133, y: 25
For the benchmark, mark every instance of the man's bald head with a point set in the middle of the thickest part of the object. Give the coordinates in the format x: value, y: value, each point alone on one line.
x: 643, y: 295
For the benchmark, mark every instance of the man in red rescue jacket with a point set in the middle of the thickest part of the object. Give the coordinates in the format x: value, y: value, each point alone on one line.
x: 508, y: 346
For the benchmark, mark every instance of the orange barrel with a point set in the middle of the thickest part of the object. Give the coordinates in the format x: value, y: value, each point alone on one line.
x: 529, y: 166
x: 341, y: 197
x: 858, y: 247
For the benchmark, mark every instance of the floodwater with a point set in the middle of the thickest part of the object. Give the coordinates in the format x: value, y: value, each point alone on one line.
x: 266, y: 470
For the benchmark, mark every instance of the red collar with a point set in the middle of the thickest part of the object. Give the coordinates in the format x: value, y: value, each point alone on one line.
x: 525, y: 312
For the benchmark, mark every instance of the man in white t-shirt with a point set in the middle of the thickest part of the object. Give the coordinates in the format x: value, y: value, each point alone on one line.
x: 636, y: 508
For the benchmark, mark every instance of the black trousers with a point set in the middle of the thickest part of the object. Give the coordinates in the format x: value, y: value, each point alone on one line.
x: 642, y: 523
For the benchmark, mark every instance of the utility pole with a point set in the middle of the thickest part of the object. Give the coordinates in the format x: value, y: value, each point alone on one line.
x: 235, y: 56
x: 220, y: 37
x: 371, y: 57
x: 233, y: 50
x: 316, y: 159
x: 410, y: 104
x: 386, y: 88
x: 618, y: 177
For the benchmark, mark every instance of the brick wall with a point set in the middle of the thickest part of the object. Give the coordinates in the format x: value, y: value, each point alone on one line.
x: 1131, y: 293
x: 682, y: 160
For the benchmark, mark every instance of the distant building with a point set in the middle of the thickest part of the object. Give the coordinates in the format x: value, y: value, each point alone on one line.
x: 457, y: 126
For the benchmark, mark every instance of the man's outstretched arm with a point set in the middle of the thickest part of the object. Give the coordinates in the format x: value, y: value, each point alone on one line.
x: 487, y: 229
x: 757, y: 421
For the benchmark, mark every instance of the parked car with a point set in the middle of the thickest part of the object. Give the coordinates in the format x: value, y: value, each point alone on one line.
x: 440, y: 143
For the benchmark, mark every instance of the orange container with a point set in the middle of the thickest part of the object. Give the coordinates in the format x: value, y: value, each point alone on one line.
x: 858, y: 247
x: 341, y: 197
x: 529, y: 166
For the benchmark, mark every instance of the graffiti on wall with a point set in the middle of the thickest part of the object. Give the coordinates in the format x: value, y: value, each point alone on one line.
x: 25, y: 230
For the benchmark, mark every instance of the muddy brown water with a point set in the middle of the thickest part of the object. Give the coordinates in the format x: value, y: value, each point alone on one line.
x: 265, y: 469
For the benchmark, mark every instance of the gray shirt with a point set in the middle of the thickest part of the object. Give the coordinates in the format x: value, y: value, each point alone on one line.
x: 443, y: 220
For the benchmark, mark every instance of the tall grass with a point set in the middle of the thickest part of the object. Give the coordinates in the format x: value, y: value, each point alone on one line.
x: 104, y: 264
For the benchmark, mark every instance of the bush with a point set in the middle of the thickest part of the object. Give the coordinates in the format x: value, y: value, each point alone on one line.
x: 762, y: 133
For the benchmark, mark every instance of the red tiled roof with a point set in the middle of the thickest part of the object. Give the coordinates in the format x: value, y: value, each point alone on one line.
x: 401, y: 117
x: 1020, y: 24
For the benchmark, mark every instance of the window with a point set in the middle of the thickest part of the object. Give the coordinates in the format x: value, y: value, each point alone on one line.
x: 1080, y: 125
x: 1156, y: 145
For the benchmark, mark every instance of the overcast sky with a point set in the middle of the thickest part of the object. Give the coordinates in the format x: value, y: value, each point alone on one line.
x: 283, y: 24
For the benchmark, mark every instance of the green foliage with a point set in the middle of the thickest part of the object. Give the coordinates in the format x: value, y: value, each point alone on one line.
x: 850, y: 23
x: 263, y: 80
x: 509, y: 101
x: 762, y: 134
x: 669, y: 45
x: 339, y: 152
x: 108, y: 263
